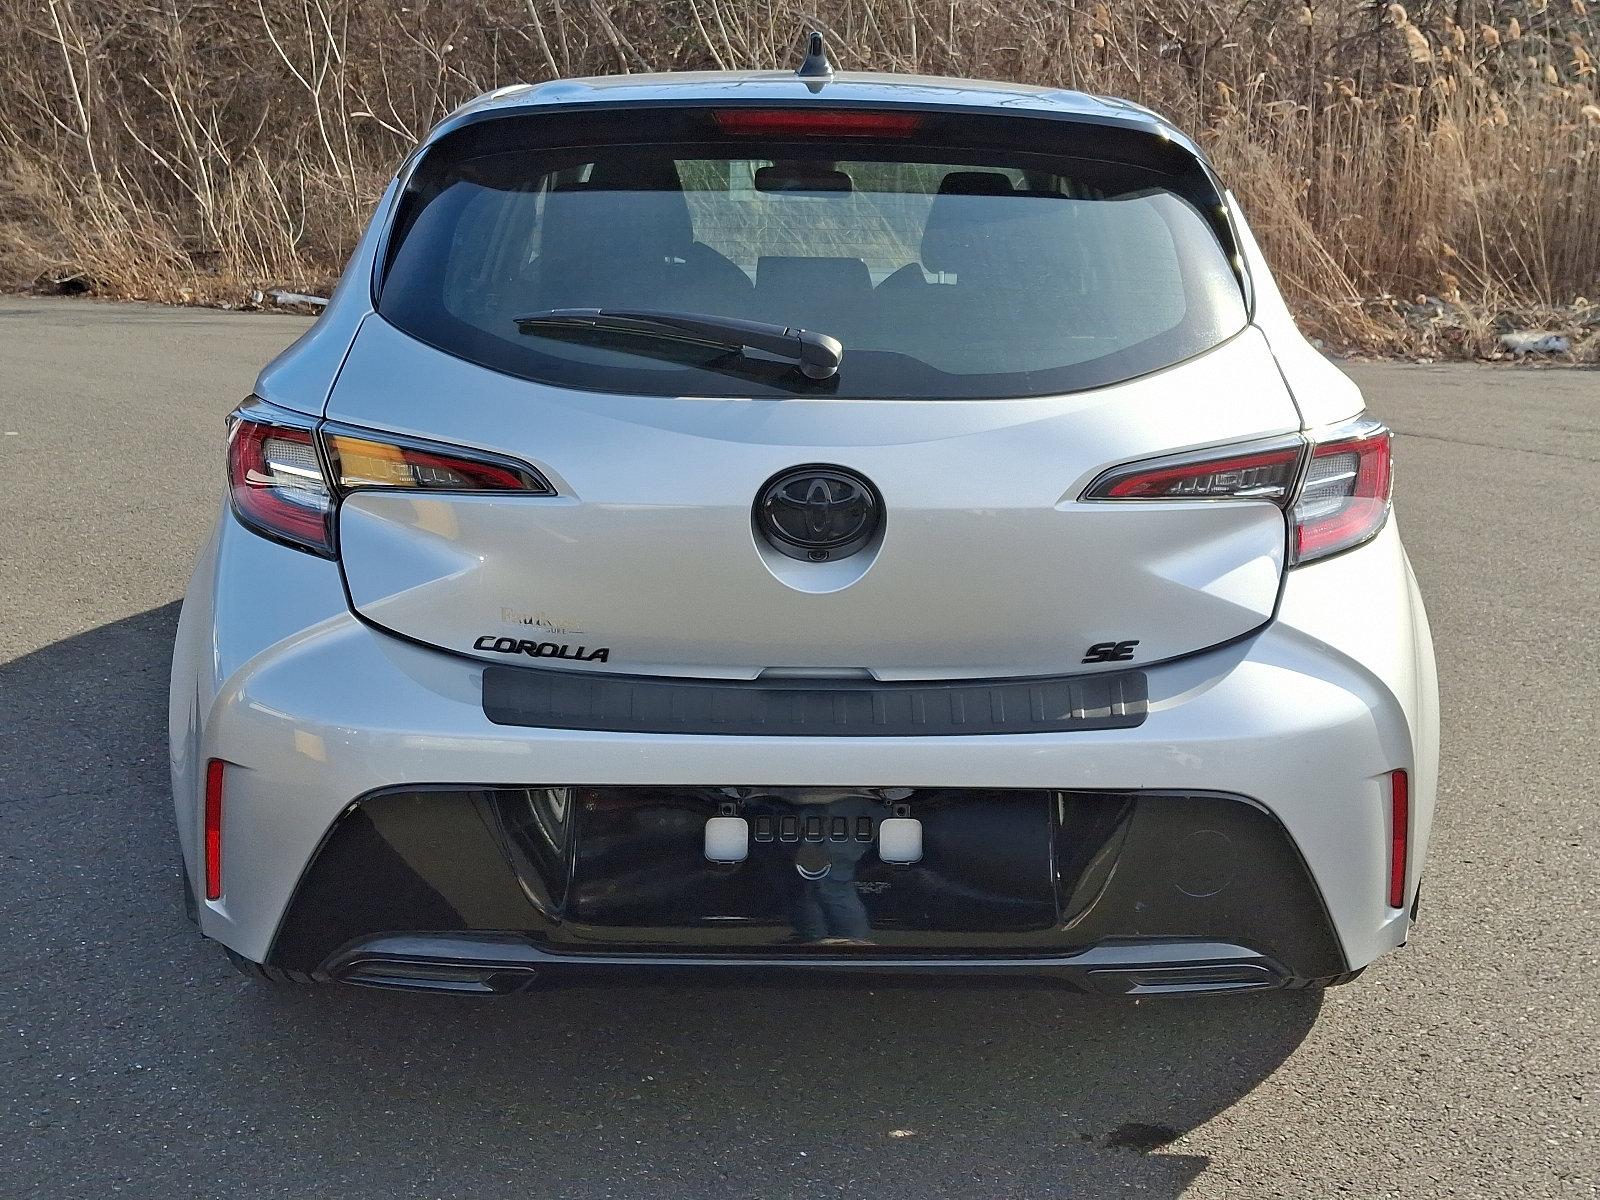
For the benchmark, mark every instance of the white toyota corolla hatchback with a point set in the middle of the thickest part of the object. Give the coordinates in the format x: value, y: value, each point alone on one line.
x: 797, y: 521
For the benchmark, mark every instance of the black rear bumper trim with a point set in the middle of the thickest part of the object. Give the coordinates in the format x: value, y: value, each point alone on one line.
x: 591, y: 874
x: 546, y: 699
x: 494, y: 963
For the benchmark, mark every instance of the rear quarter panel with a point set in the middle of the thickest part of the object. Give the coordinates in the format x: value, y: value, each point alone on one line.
x: 1324, y: 394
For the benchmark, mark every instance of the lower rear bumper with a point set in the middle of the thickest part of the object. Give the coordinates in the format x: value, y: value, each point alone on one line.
x: 483, y: 889
x: 499, y: 963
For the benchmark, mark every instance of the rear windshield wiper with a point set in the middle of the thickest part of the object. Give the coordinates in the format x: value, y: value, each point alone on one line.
x: 816, y: 354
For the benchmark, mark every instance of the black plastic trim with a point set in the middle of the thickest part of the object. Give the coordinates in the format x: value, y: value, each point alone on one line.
x: 545, y: 699
x: 497, y: 963
x: 615, y: 876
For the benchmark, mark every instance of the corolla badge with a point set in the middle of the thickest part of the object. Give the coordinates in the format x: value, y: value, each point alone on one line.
x: 510, y: 645
x: 818, y: 513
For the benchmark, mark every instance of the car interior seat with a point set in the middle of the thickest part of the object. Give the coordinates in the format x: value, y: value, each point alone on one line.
x: 623, y: 239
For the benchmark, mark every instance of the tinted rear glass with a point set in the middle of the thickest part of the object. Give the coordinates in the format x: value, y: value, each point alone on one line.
x: 944, y: 274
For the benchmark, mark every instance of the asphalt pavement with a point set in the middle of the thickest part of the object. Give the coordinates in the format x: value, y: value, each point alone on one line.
x: 135, y: 1062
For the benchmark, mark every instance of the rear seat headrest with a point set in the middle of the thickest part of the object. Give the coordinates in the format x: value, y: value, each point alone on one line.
x: 947, y: 238
x: 802, y: 177
x: 974, y: 183
x: 635, y: 175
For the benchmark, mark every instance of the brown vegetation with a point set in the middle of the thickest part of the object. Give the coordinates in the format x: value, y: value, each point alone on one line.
x: 200, y: 149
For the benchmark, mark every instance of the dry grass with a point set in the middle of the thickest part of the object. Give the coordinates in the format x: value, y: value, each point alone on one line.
x: 197, y: 150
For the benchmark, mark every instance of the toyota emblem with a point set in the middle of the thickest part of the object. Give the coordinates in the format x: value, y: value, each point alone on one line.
x: 818, y: 513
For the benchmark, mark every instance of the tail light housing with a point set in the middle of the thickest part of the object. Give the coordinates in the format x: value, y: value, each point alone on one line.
x: 276, y: 482
x: 1344, y: 497
x: 287, y: 474
x: 1265, y: 471
x: 361, y: 459
x: 1334, y: 486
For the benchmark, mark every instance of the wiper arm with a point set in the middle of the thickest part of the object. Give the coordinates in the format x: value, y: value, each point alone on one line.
x: 816, y: 354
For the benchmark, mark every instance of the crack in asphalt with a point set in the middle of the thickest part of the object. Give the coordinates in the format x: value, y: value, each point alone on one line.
x: 1437, y: 437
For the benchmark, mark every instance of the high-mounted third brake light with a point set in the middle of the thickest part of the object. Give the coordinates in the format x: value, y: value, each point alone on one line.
x: 816, y: 122
x: 280, y: 487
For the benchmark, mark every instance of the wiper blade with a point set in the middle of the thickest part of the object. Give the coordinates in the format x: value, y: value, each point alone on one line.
x: 816, y: 354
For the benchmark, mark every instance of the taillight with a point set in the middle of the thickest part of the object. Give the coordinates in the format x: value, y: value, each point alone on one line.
x: 213, y: 829
x: 1335, y: 486
x: 1265, y: 473
x: 275, y: 479
x: 358, y: 460
x: 1399, y: 836
x: 285, y: 479
x: 816, y: 122
x: 1344, y: 498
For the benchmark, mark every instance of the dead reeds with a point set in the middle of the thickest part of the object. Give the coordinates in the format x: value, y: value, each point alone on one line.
x: 1416, y: 175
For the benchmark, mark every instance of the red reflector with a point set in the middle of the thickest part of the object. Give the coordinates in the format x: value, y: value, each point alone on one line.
x: 214, y: 829
x: 1399, y: 835
x: 815, y: 122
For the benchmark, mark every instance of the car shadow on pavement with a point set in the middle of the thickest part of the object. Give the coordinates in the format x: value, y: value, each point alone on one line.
x: 140, y: 1053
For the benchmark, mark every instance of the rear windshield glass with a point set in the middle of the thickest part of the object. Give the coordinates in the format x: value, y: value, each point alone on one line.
x: 971, y: 274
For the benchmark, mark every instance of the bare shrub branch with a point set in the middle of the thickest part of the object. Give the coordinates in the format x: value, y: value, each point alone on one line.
x: 200, y: 149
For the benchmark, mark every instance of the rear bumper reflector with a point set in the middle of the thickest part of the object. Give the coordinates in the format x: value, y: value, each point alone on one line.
x: 213, y: 822
x: 1399, y: 836
x: 811, y: 708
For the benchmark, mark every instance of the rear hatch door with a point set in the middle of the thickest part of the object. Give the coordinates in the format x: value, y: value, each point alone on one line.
x: 988, y: 563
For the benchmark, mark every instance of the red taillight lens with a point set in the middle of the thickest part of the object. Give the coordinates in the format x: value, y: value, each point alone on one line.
x: 276, y: 482
x: 213, y: 829
x: 1344, y: 499
x: 1259, y: 475
x: 817, y: 122
x: 1399, y: 836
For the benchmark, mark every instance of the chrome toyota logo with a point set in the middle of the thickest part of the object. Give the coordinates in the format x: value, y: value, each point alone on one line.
x: 818, y: 513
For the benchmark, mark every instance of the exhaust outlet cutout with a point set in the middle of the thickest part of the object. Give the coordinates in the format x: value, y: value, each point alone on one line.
x: 436, y: 977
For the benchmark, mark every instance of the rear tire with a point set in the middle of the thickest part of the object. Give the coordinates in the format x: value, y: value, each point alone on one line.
x: 261, y: 972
